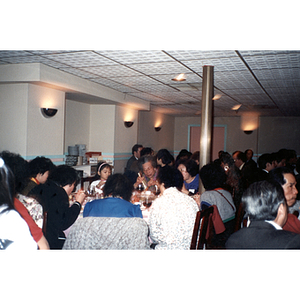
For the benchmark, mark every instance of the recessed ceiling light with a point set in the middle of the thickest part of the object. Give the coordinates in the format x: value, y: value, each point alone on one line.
x: 180, y: 77
x: 217, y: 97
x: 236, y: 107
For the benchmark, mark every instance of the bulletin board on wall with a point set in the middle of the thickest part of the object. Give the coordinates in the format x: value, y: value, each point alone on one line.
x: 218, y: 142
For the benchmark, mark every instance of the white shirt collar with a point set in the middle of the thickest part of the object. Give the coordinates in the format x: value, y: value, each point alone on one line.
x: 274, y: 224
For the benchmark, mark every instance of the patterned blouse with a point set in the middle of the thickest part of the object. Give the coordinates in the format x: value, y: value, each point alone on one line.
x: 171, y: 220
x: 34, y: 208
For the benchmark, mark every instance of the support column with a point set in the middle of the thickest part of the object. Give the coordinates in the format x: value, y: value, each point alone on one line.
x: 206, y: 119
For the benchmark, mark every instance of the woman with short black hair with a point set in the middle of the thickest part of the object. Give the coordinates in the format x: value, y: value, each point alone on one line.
x: 172, y: 215
x: 116, y: 202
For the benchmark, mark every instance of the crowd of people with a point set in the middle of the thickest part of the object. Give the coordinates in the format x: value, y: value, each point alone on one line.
x: 257, y: 202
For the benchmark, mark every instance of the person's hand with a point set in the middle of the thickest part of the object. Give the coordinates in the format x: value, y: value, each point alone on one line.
x: 80, y: 196
x: 139, y: 180
x: 196, y: 197
x: 152, y: 182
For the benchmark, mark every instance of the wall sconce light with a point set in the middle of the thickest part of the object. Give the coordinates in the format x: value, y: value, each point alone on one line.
x: 157, y: 128
x: 48, y: 112
x: 248, y: 131
x: 128, y: 124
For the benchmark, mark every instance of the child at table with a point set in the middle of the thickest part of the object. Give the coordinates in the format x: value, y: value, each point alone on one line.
x: 104, y: 170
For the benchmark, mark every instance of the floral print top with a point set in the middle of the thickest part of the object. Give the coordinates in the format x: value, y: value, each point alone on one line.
x: 34, y: 208
x: 171, y: 220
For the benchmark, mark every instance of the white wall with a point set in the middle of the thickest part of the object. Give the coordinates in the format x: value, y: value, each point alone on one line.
x: 77, y: 124
x: 102, y: 129
x: 45, y: 135
x: 13, y: 117
x: 24, y: 130
x: 148, y: 137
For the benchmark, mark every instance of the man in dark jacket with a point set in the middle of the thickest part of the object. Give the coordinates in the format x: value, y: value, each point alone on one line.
x: 266, y: 207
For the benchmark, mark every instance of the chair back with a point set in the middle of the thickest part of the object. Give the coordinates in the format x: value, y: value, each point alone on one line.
x: 105, y: 233
x: 203, y: 229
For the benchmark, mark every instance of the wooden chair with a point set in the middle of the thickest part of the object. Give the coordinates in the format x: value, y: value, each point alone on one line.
x: 204, y: 222
x: 240, y: 220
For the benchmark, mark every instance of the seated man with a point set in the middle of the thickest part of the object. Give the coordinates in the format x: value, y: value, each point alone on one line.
x: 266, y: 207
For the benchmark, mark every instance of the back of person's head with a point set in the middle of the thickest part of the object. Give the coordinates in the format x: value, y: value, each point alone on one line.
x: 146, y: 151
x: 226, y: 158
x: 118, y: 185
x: 20, y: 168
x: 184, y: 154
x: 146, y: 158
x: 196, y: 156
x: 277, y: 174
x: 64, y: 175
x: 40, y: 164
x: 191, y: 166
x: 240, y: 155
x: 165, y: 156
x: 212, y: 176
x: 262, y: 199
x: 170, y: 177
x: 7, y: 186
x: 264, y: 159
x: 135, y: 148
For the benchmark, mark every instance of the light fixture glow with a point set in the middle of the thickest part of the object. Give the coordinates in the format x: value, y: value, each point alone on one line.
x: 236, y: 107
x: 217, y: 97
x: 180, y: 77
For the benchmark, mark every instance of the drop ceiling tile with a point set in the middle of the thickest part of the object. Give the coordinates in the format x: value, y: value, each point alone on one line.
x: 157, y: 68
x: 136, y: 56
x: 80, y: 59
x: 7, y: 53
x: 135, y: 80
x: 112, y: 71
x: 199, y: 54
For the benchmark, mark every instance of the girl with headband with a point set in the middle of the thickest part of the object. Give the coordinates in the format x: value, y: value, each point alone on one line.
x: 104, y: 170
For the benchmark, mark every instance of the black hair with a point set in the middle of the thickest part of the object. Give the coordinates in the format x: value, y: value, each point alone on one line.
x: 135, y: 148
x: 146, y: 151
x: 118, y: 185
x: 64, y: 175
x: 212, y: 176
x: 277, y: 174
x: 165, y: 156
x: 264, y: 159
x: 100, y: 166
x: 40, y: 164
x: 191, y: 166
x: 170, y: 177
x: 19, y: 167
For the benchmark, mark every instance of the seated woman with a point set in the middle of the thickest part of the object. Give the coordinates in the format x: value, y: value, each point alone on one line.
x: 190, y: 172
x: 14, y: 231
x: 103, y: 172
x: 172, y: 215
x: 164, y: 158
x: 213, y: 178
x: 29, y: 208
x: 148, y: 172
x: 116, y: 203
x: 54, y: 197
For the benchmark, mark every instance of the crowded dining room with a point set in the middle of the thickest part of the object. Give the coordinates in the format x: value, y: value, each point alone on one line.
x: 195, y: 152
